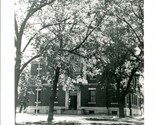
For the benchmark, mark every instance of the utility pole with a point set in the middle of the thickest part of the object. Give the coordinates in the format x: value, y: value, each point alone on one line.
x: 38, y: 84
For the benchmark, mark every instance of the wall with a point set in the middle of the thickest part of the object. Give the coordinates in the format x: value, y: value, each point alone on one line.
x: 100, y: 96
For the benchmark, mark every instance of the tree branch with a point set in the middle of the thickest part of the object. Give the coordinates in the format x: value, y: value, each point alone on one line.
x: 16, y: 27
x: 45, y: 26
x: 73, y: 25
x: 130, y: 51
x: 29, y: 42
x: 36, y: 56
x: 87, y: 35
x: 35, y: 35
x: 139, y: 17
x: 47, y: 44
x: 142, y: 15
x: 75, y: 53
x: 134, y: 70
x: 30, y: 13
x: 25, y: 64
x: 130, y: 27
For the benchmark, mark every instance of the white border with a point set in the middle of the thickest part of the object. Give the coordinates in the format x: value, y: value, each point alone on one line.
x: 7, y: 62
x: 149, y: 55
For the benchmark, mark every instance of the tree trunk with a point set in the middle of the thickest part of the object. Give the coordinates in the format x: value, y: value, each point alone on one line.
x: 130, y: 105
x: 17, y: 76
x: 121, y: 100
x: 121, y: 109
x: 107, y: 99
x: 52, y: 97
x: 17, y: 66
x: 21, y: 107
x: 16, y: 87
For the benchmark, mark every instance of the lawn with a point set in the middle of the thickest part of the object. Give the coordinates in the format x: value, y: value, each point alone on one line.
x: 27, y: 119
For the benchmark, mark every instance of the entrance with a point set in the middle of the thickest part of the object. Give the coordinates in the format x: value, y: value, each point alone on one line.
x: 73, y: 100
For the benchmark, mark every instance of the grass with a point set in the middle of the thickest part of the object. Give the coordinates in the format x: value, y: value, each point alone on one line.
x: 79, y: 120
x: 79, y: 123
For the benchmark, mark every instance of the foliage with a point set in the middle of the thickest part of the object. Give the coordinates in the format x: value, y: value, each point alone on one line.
x: 82, y: 37
x: 122, y: 47
x: 24, y: 89
x: 60, y: 44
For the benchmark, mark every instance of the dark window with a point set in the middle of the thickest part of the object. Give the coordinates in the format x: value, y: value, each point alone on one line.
x: 132, y: 99
x: 127, y: 99
x: 114, y: 112
x: 39, y: 96
x: 135, y: 81
x: 140, y: 101
x: 38, y: 93
x: 135, y: 99
x: 91, y: 112
x: 36, y: 110
x: 34, y: 67
x: 92, y: 95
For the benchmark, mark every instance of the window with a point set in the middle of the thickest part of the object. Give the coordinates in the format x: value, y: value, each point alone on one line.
x: 92, y: 95
x: 134, y: 99
x: 127, y: 99
x: 91, y: 112
x: 38, y: 95
x: 114, y: 113
x: 92, y: 79
x: 34, y: 67
x: 135, y: 82
x: 114, y: 100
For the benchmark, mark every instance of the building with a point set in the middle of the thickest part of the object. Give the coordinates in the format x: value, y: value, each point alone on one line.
x: 83, y: 99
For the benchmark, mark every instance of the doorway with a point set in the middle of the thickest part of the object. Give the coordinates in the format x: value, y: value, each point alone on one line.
x: 73, y: 103
x: 73, y: 100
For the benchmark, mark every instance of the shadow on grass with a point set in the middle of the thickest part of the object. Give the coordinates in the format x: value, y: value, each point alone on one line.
x: 52, y: 123
x: 69, y: 123
x: 59, y: 123
x: 96, y: 119
x: 115, y: 120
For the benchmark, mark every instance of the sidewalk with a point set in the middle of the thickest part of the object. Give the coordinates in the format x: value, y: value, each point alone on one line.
x: 78, y: 120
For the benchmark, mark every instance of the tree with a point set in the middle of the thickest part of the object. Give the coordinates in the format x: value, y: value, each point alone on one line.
x: 24, y: 89
x: 37, y: 26
x: 71, y: 30
x: 117, y: 45
x: 122, y: 56
x: 63, y: 31
x: 25, y: 11
x: 23, y: 93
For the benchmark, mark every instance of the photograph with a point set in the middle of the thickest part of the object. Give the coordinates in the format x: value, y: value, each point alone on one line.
x: 75, y: 62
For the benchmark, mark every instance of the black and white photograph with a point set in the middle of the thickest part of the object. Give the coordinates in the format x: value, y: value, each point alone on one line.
x: 75, y: 62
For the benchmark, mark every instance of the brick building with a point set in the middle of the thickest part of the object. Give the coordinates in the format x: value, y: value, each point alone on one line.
x: 84, y: 99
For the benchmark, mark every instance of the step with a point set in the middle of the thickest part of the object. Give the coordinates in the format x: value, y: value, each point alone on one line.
x: 70, y: 112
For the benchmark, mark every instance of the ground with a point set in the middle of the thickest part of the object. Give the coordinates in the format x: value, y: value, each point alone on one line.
x: 31, y: 119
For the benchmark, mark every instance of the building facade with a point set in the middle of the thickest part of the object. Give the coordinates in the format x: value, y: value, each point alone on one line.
x: 84, y: 99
